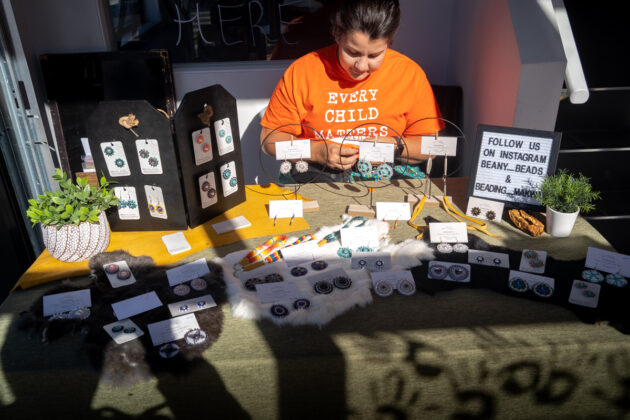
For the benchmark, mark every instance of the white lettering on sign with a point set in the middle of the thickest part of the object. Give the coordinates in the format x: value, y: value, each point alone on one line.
x: 511, y: 166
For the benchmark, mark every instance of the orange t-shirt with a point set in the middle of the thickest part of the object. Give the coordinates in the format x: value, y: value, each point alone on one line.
x: 317, y: 92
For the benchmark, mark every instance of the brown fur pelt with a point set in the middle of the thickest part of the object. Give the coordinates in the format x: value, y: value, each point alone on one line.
x: 138, y: 359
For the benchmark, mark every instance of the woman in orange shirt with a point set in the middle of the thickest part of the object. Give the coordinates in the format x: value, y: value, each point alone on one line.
x: 358, y: 88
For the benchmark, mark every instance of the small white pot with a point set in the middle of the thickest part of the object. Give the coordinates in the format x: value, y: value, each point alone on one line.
x: 560, y: 224
x: 74, y: 243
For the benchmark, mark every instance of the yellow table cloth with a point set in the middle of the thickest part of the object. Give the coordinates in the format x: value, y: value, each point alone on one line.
x: 46, y: 268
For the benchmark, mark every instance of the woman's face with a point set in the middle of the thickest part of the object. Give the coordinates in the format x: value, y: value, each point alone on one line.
x: 359, y: 55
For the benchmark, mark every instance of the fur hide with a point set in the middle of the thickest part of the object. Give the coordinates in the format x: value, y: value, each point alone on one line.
x: 323, y: 307
x: 135, y: 360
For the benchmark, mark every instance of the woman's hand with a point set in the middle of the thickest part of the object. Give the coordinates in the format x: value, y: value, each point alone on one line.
x: 334, y: 156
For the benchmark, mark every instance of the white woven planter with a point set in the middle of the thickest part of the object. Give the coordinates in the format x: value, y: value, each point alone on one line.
x: 74, y: 243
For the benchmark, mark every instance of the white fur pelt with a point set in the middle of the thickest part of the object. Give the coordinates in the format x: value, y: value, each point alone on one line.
x: 323, y: 308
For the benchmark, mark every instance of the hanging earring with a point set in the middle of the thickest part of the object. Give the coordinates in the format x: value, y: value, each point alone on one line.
x: 285, y: 167
x: 159, y: 208
x: 364, y: 167
x: 227, y: 172
x: 151, y: 199
x: 384, y: 171
x: 301, y: 166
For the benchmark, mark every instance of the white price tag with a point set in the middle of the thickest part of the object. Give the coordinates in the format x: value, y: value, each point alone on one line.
x: 189, y: 271
x: 376, y: 152
x: 440, y: 146
x: 448, y: 232
x: 355, y: 237
x: 295, y: 149
x: 393, y: 211
x: 285, y: 208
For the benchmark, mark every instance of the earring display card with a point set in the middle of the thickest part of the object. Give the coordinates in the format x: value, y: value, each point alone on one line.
x: 123, y: 331
x: 485, y: 209
x: 208, y: 190
x: 533, y: 261
x: 225, y: 139
x: 376, y: 152
x: 155, y: 201
x: 442, y: 270
x: 532, y: 279
x: 584, y: 293
x: 202, y: 146
x: 371, y: 261
x: 115, y: 158
x: 149, y: 156
x: 492, y: 259
x: 228, y: 178
x: 191, y: 305
x: 119, y: 274
x: 128, y: 207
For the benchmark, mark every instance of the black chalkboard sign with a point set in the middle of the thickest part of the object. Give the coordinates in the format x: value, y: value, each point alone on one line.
x: 222, y: 30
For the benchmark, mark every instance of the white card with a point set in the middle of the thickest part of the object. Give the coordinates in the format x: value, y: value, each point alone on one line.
x: 208, y: 190
x: 136, y: 305
x: 202, y: 146
x: 67, y: 301
x: 393, y: 211
x: 285, y: 208
x: 176, y: 243
x: 224, y: 135
x: 121, y: 336
x: 355, y: 237
x: 301, y: 253
x: 448, y: 276
x: 239, y: 222
x: 608, y: 261
x: 115, y: 159
x: 188, y: 271
x: 278, y: 292
x: 482, y: 208
x: 371, y: 261
x: 492, y: 259
x: 532, y: 279
x: 585, y: 293
x: 376, y: 152
x: 526, y: 263
x: 189, y: 306
x: 128, y: 207
x: 392, y: 277
x: 172, y: 329
x: 441, y: 146
x: 229, y: 182
x: 149, y: 156
x: 448, y: 232
x: 113, y: 277
x: 155, y: 201
x: 294, y: 149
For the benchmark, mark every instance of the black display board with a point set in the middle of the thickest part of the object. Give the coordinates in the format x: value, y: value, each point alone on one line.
x: 206, y: 155
x: 134, y: 162
x: 509, y: 163
x: 75, y: 83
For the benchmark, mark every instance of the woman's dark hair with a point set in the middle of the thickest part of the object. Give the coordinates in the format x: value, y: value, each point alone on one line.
x: 377, y: 18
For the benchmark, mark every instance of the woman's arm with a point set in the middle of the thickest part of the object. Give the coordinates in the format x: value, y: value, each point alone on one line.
x: 327, y: 154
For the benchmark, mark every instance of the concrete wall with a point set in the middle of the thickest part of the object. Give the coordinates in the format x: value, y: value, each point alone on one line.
x: 509, y: 62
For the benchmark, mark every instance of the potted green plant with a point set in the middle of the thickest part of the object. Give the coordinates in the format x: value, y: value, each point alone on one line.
x: 565, y: 195
x: 73, y: 221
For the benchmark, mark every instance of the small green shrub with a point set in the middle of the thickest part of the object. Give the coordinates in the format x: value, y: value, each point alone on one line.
x: 567, y: 193
x: 72, y: 203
